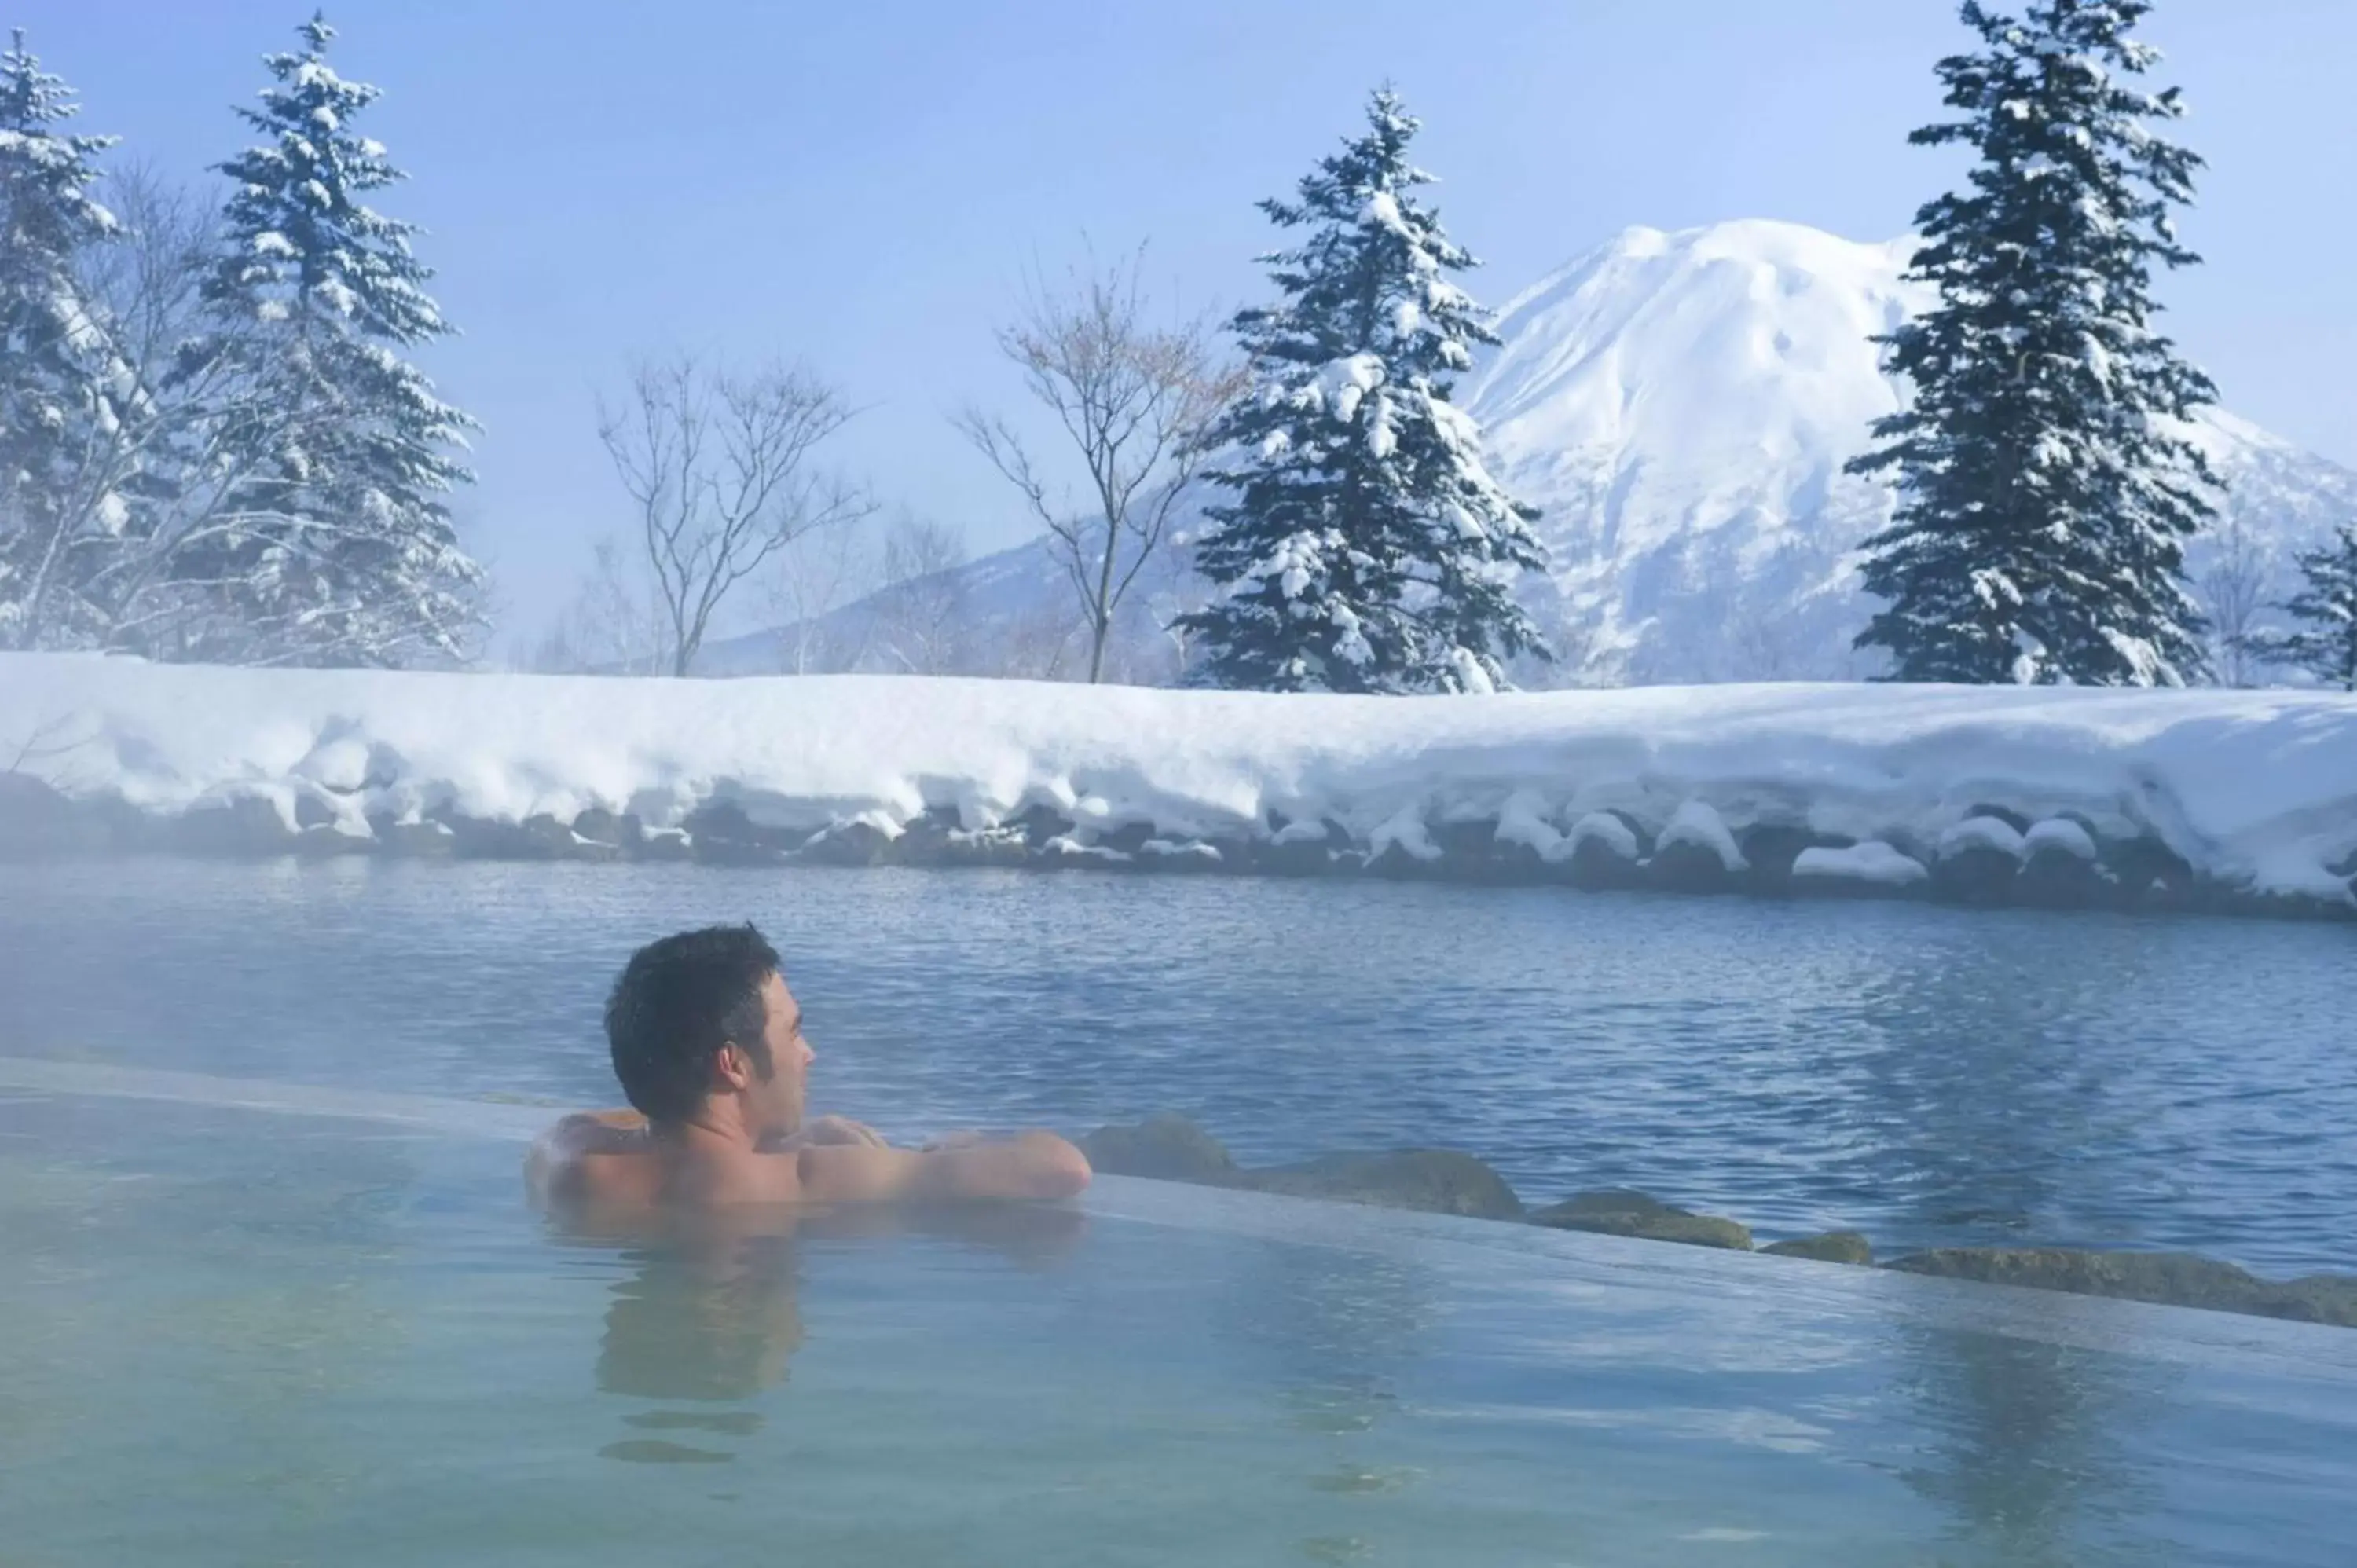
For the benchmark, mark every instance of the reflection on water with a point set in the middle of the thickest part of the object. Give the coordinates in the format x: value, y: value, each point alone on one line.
x: 2026, y: 1453
x: 709, y: 1312
x: 1982, y: 1064
x: 1980, y: 1070
x: 699, y: 1323
x: 703, y: 1321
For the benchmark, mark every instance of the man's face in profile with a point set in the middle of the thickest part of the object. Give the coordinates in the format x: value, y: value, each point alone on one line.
x: 778, y: 1101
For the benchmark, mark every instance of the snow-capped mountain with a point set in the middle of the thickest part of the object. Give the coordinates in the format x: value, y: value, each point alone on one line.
x: 1681, y: 406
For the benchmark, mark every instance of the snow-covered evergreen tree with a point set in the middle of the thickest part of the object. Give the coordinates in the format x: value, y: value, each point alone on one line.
x: 2044, y: 494
x: 334, y: 544
x: 58, y: 380
x: 2326, y: 607
x: 1362, y: 545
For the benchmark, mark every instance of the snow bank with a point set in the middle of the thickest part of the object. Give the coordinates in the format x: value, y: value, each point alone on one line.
x: 1993, y: 834
x: 2062, y: 836
x: 1873, y: 863
x: 1698, y: 825
x: 2255, y: 791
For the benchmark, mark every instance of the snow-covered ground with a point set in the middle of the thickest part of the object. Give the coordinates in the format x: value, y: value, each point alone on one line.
x: 2251, y: 790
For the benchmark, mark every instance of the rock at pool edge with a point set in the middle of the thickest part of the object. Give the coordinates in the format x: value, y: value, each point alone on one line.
x: 1164, y: 1147
x: 2169, y: 1279
x: 1433, y: 1181
x: 1620, y: 1212
x: 1832, y: 1247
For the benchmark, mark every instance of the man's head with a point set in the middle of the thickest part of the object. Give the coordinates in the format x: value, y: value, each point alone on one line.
x: 705, y: 1013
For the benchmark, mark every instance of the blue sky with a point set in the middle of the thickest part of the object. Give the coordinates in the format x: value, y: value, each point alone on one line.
x: 863, y: 187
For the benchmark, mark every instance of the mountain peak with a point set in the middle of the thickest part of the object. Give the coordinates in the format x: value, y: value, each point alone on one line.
x: 1680, y: 404
x: 1774, y: 321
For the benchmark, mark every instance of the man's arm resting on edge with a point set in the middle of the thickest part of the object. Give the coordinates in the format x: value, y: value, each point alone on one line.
x: 1034, y: 1166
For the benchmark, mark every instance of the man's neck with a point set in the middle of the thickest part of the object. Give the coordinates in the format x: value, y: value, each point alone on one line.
x: 718, y: 1129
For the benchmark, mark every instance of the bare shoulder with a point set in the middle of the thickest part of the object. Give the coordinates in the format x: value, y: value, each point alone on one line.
x: 609, y: 1158
x: 565, y: 1160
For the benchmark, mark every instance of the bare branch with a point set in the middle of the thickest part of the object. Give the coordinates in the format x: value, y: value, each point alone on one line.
x: 51, y: 738
x: 2234, y: 591
x: 136, y: 297
x: 615, y: 623
x: 815, y: 577
x: 922, y: 616
x: 719, y: 467
x: 1132, y: 400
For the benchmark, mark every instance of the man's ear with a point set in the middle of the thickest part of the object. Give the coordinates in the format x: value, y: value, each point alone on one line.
x: 731, y: 1067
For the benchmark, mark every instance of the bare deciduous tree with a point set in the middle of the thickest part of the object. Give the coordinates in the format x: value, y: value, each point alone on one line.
x: 1134, y: 399
x: 920, y: 615
x: 817, y: 576
x: 2233, y: 592
x: 150, y: 486
x: 1185, y: 591
x: 1034, y: 642
x: 148, y: 280
x: 719, y: 466
x: 552, y: 653
x: 614, y: 625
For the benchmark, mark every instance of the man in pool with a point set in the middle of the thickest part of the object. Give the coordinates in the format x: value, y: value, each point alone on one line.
x: 707, y: 1042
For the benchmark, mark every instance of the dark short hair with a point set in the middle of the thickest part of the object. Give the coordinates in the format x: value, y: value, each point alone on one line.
x: 678, y: 1002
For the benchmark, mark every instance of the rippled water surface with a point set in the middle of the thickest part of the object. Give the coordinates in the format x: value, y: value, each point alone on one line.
x: 1927, y: 1075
